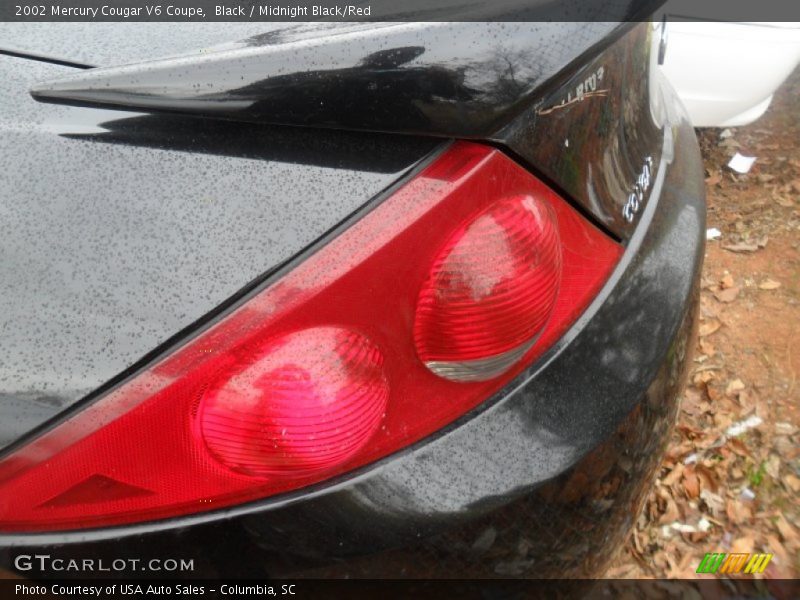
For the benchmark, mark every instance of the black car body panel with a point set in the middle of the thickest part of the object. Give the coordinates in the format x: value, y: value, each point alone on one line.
x: 525, y: 85
x: 540, y: 479
x: 593, y: 132
x: 107, y: 306
x: 400, y: 78
x: 536, y: 482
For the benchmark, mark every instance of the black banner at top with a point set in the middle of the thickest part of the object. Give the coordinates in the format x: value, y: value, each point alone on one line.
x: 393, y: 10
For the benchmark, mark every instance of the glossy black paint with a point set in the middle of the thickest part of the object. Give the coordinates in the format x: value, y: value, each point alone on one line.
x: 518, y: 84
x: 592, y: 134
x: 118, y: 231
x: 446, y: 79
x: 540, y: 481
x: 84, y: 314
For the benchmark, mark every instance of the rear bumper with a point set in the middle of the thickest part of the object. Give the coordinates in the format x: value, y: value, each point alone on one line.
x: 545, y: 479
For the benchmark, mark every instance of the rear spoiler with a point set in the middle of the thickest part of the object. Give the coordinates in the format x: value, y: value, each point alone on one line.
x: 462, y: 79
x: 574, y: 102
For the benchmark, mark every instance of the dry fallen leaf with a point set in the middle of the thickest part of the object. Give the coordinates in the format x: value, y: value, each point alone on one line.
x: 682, y: 571
x: 734, y: 387
x: 673, y: 475
x: 788, y: 533
x: 702, y: 377
x: 737, y: 512
x: 715, y: 503
x: 784, y: 428
x: 769, y: 284
x: 728, y: 295
x: 726, y: 281
x: 695, y: 537
x: 707, y: 477
x: 660, y: 560
x: 773, y: 466
x: 792, y: 482
x: 743, y: 545
x: 774, y: 545
x: 692, y: 401
x: 709, y: 327
x: 741, y: 247
x: 707, y: 309
x: 707, y: 348
x: 671, y: 513
x: 620, y: 572
x: 691, y: 484
x: 738, y: 446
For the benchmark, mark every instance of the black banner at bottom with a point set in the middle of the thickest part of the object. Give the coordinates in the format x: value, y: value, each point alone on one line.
x: 717, y: 588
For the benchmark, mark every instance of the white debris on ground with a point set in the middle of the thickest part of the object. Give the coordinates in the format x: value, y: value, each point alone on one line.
x: 741, y: 163
x: 740, y: 427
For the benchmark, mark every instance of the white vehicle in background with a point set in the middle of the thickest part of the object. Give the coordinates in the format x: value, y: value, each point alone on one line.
x: 726, y: 73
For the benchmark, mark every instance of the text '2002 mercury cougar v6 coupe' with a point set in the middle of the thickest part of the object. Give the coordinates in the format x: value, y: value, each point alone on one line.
x: 341, y: 300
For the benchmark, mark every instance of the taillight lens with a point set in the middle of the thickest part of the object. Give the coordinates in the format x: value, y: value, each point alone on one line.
x: 295, y: 405
x: 410, y: 317
x: 490, y: 291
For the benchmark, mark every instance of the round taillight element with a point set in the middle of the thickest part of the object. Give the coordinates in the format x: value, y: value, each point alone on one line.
x: 490, y: 291
x: 296, y: 405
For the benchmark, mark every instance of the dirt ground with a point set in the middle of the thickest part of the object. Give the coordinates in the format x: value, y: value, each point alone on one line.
x: 731, y: 479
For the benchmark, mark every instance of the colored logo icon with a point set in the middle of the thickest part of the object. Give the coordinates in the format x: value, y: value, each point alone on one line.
x: 720, y: 563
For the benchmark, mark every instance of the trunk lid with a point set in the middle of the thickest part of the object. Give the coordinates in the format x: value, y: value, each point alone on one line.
x: 118, y: 230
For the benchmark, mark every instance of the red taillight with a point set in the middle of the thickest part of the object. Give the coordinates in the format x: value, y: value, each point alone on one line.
x: 296, y: 405
x: 413, y: 315
x: 490, y: 290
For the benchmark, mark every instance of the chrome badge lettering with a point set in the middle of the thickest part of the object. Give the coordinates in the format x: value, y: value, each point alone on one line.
x: 636, y: 197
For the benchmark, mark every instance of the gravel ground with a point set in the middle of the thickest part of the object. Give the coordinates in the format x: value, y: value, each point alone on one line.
x: 731, y: 477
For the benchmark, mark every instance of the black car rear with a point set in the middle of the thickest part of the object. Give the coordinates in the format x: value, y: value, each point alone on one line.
x: 495, y: 230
